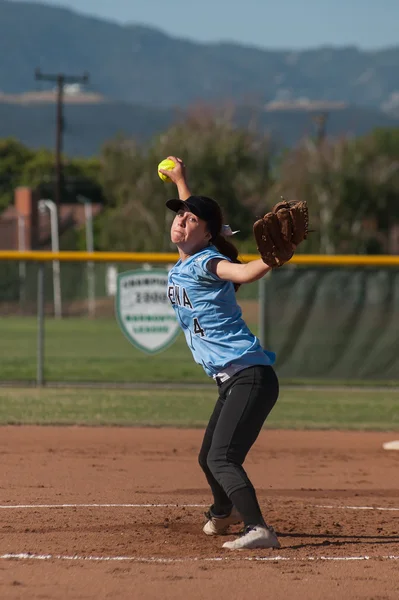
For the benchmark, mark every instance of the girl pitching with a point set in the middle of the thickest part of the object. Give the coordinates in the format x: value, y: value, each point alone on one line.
x: 201, y: 288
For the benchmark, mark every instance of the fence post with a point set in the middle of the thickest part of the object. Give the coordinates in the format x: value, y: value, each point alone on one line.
x: 40, y: 324
x: 264, y: 320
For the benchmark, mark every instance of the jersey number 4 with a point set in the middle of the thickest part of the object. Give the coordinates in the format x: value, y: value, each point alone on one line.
x: 198, y: 329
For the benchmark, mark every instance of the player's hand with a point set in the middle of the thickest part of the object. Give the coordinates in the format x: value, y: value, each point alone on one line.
x: 178, y: 173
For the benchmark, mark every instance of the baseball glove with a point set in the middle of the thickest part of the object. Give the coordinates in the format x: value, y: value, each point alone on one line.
x: 280, y: 231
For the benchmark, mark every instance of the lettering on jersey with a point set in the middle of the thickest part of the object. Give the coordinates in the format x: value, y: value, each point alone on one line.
x: 178, y: 295
x: 171, y: 294
x: 203, y: 257
x: 197, y: 328
x: 186, y: 300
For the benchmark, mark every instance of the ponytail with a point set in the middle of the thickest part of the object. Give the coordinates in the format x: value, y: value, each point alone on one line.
x: 227, y: 249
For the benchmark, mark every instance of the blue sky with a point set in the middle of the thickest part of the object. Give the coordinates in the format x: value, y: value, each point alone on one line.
x: 273, y: 24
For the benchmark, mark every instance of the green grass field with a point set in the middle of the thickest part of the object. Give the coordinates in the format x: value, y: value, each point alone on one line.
x: 80, y: 349
x: 295, y: 409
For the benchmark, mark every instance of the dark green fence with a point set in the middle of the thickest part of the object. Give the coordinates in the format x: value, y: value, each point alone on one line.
x: 326, y: 325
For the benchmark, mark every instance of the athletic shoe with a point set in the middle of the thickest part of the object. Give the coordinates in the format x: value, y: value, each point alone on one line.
x: 255, y: 537
x: 220, y: 525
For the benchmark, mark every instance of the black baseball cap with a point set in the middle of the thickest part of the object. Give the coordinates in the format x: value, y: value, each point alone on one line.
x: 204, y: 208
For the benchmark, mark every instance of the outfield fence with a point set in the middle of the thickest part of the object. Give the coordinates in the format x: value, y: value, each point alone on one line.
x: 328, y: 318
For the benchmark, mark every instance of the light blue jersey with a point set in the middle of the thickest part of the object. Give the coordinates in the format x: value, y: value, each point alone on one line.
x: 207, y: 311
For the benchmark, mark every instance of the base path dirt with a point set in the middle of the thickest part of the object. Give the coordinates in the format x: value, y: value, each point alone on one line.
x: 93, y: 513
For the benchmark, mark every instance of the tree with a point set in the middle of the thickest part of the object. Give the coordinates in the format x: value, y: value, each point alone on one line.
x: 80, y: 177
x: 385, y: 141
x: 349, y: 183
x: 230, y: 164
x: 13, y: 157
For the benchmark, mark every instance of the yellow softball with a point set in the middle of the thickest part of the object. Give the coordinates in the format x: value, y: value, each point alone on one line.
x: 167, y: 165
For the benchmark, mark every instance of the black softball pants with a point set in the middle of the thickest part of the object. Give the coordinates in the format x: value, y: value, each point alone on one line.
x: 245, y: 400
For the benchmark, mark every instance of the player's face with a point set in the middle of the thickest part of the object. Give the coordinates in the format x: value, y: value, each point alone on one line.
x: 189, y: 231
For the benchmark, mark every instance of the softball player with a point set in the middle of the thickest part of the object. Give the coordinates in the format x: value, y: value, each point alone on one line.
x: 201, y: 288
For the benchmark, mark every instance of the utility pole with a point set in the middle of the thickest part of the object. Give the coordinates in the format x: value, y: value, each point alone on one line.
x: 60, y: 79
x: 327, y: 245
x: 321, y: 121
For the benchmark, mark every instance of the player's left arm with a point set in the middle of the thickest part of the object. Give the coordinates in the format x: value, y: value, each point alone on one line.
x: 238, y: 273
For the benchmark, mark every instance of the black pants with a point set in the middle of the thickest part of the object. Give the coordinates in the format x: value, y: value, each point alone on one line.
x: 244, y: 402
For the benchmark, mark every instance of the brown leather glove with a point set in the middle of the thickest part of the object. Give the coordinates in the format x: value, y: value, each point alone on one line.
x: 280, y: 231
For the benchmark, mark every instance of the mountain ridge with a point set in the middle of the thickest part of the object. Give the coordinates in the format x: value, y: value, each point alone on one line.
x: 132, y: 62
x: 89, y: 125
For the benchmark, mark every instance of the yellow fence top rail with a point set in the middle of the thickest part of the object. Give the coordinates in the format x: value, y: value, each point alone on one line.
x: 170, y: 258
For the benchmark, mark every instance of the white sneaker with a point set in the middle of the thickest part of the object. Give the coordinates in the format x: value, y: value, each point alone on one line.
x: 220, y: 525
x: 255, y: 537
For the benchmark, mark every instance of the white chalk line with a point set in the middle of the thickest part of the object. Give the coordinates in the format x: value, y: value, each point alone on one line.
x: 95, y: 505
x: 161, y: 560
x: 17, y: 506
x: 355, y: 507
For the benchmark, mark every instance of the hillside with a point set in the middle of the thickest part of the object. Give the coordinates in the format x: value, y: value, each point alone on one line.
x: 144, y: 66
x: 88, y: 126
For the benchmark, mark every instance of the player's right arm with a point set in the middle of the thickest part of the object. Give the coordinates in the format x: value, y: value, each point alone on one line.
x: 178, y: 176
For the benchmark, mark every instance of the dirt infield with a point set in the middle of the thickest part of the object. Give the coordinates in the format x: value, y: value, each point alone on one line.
x: 333, y: 498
